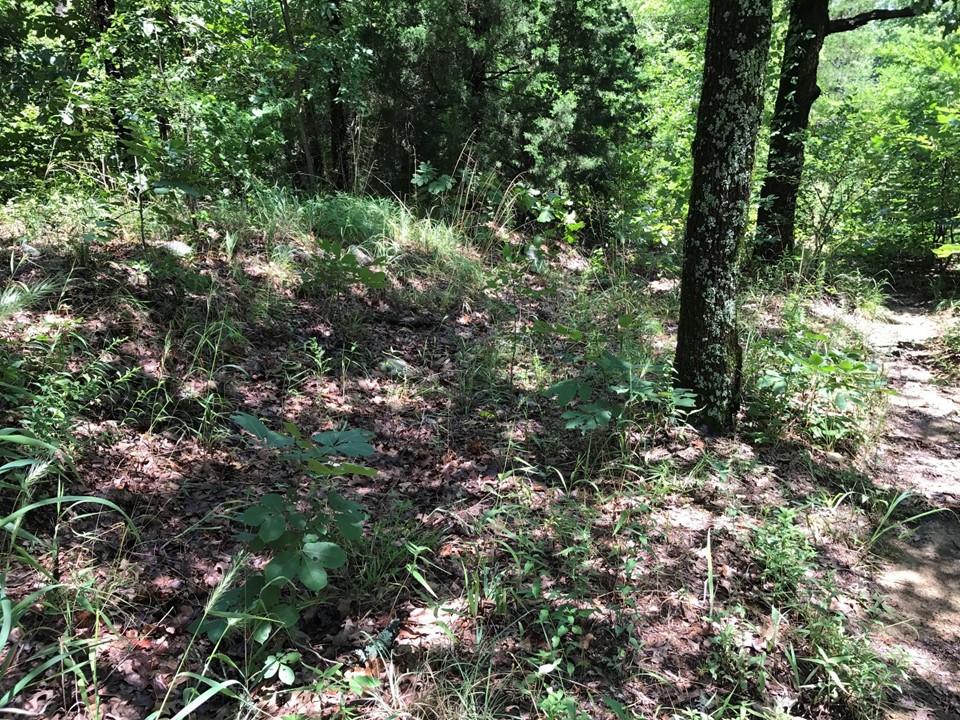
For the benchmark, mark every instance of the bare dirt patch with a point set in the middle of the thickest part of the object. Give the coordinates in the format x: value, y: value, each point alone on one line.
x: 919, y: 452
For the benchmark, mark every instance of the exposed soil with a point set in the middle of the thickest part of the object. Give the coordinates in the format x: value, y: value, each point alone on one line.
x: 919, y: 452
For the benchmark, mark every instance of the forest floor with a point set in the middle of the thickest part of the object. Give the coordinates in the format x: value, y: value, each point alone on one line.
x: 920, y: 452
x: 533, y: 572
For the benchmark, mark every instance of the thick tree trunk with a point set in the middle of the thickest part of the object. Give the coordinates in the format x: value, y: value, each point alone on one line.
x: 776, y: 217
x: 810, y: 24
x: 709, y: 357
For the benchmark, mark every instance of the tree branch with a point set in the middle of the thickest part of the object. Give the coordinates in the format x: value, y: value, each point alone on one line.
x: 852, y: 23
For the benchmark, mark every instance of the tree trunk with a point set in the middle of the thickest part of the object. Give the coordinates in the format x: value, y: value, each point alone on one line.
x: 301, y: 102
x: 709, y: 357
x: 103, y: 16
x: 776, y: 217
x: 481, y: 23
x: 810, y: 24
x: 339, y: 127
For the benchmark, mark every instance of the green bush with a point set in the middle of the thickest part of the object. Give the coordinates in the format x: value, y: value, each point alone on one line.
x: 801, y: 383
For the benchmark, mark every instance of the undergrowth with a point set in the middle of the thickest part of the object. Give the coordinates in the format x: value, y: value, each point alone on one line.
x: 535, y: 530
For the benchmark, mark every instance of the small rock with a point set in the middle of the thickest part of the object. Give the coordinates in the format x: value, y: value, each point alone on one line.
x: 178, y: 248
x: 398, y: 368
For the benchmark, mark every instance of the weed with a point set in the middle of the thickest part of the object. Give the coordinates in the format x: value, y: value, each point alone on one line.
x: 59, y: 600
x: 805, y: 383
x: 615, y: 392
x: 887, y: 522
x: 301, y: 541
x: 784, y: 554
x: 801, y: 643
x: 336, y: 267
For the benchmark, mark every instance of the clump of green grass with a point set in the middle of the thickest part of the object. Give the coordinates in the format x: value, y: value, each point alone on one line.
x: 793, y: 635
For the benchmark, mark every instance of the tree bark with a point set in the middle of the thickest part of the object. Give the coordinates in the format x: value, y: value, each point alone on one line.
x: 301, y: 102
x: 709, y: 357
x: 809, y: 26
x: 798, y: 90
x: 340, y: 159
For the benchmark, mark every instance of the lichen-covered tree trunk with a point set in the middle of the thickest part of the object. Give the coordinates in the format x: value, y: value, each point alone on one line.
x: 709, y: 358
x: 776, y: 217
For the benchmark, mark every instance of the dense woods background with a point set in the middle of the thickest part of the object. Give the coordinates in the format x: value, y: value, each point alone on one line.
x: 594, y: 100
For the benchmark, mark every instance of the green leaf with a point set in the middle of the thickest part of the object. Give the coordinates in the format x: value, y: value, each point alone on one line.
x: 340, y: 504
x: 566, y: 390
x: 352, y: 443
x: 424, y: 174
x: 312, y: 574
x: 351, y: 469
x: 612, y: 364
x: 256, y: 428
x: 360, y: 683
x: 270, y: 595
x: 255, y: 515
x: 328, y: 554
x: 272, y: 528
x: 261, y: 631
x: 286, y: 615
x: 12, y: 435
x: 284, y: 567
x: 349, y: 526
x: 440, y: 185
x: 321, y: 469
x: 274, y: 502
x: 945, y: 251
x: 286, y: 675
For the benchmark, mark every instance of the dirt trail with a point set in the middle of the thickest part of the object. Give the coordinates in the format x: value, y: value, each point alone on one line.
x: 920, y: 452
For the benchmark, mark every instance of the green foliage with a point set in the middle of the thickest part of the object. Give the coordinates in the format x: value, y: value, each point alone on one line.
x: 302, y: 535
x: 435, y: 183
x: 881, y: 180
x: 554, y: 213
x: 563, y: 630
x: 801, y: 383
x: 546, y: 89
x: 784, y: 554
x: 557, y: 705
x: 336, y: 267
x: 613, y: 391
x: 799, y: 640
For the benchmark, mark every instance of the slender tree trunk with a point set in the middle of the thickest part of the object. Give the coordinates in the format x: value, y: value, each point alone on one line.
x: 810, y: 24
x: 776, y: 217
x: 301, y: 103
x: 340, y: 155
x: 103, y: 15
x: 709, y: 356
x: 481, y: 23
